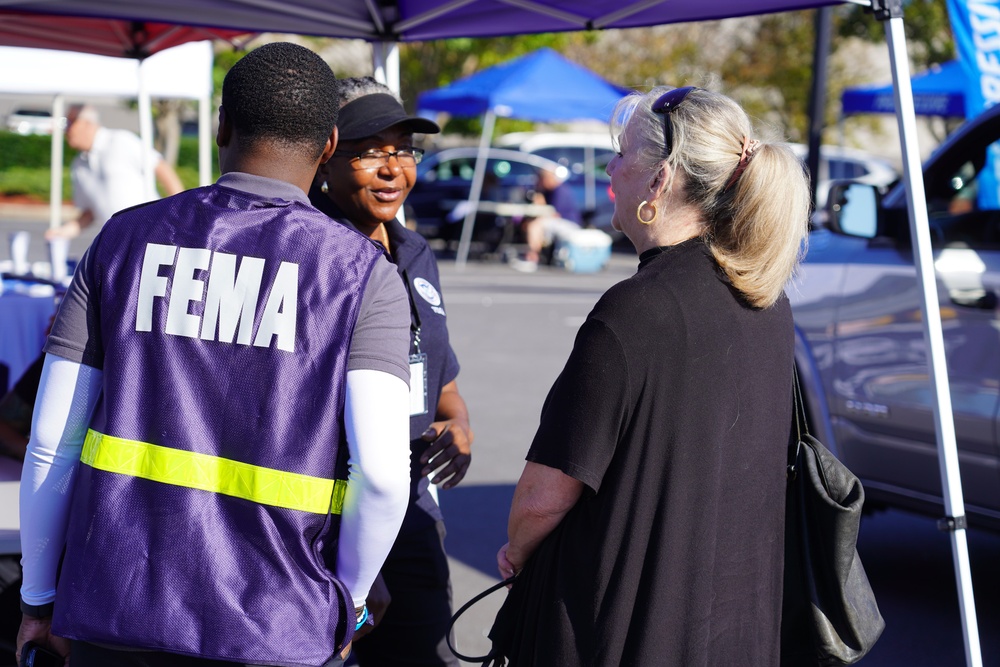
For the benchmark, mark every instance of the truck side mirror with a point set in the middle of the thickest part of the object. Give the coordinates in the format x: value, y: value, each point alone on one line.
x: 852, y: 209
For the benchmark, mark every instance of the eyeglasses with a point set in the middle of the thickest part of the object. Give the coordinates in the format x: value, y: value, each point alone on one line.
x: 667, y: 103
x: 376, y: 159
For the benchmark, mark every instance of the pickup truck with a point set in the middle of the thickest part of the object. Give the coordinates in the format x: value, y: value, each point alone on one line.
x: 859, y: 337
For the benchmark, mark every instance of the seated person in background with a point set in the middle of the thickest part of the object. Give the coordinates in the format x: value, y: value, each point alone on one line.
x: 15, y: 412
x: 540, y: 231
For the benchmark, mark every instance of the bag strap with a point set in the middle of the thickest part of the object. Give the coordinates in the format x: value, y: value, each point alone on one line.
x: 463, y: 609
x: 801, y: 423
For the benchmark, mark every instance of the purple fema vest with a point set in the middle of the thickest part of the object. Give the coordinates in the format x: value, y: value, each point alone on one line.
x: 205, y: 518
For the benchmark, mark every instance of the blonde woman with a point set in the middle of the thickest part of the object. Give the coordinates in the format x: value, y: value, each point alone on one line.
x: 647, y: 526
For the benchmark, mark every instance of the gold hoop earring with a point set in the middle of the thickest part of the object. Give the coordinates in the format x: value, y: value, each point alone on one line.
x: 638, y: 213
x: 325, y: 187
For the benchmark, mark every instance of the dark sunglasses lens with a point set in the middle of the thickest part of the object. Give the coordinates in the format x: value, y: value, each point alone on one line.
x: 669, y: 100
x: 666, y: 103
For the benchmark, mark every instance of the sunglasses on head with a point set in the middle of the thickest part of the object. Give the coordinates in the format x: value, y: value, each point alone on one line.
x: 664, y: 105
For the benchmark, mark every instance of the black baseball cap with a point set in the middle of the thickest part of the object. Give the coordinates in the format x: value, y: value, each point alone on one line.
x: 370, y: 114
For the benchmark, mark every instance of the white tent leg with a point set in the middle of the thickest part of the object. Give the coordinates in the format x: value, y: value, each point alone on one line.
x: 489, y: 120
x: 386, y: 60
x: 944, y: 424
x: 146, y: 133
x: 205, y: 140
x: 385, y: 64
x: 56, y: 172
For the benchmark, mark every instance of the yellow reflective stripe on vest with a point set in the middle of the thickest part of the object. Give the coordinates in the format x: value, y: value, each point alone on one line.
x: 265, y: 486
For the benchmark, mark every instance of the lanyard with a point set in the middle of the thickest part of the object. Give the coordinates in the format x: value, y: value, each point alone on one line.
x: 414, y: 314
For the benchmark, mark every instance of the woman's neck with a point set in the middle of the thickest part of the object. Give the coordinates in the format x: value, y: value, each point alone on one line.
x: 675, y: 227
x: 378, y: 233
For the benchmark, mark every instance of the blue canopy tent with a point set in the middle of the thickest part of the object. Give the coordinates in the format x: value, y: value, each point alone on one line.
x: 940, y: 91
x: 540, y: 86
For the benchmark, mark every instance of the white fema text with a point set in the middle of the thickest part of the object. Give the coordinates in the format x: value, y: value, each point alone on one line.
x: 230, y: 301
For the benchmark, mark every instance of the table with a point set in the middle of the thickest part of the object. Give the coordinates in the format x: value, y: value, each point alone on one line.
x: 25, y: 311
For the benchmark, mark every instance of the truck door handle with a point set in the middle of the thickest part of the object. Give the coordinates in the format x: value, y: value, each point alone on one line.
x: 979, y: 298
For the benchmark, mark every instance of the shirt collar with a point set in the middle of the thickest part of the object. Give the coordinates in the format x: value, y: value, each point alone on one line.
x: 262, y: 186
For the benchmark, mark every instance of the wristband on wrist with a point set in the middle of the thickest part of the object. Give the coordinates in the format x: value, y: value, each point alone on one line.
x: 362, y: 617
x: 37, y: 610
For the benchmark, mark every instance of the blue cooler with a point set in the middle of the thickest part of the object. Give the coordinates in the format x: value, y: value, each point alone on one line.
x: 583, y: 250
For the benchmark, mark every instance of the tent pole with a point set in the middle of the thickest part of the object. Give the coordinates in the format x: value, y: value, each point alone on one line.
x: 817, y: 99
x: 385, y: 57
x: 947, y: 449
x: 205, y: 140
x: 385, y: 66
x: 489, y: 120
x: 56, y: 172
x: 146, y: 132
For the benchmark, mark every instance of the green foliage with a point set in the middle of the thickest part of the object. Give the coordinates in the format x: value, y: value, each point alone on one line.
x: 779, y: 59
x: 224, y: 60
x: 32, y: 182
x: 31, y: 151
x: 187, y: 162
x: 925, y: 22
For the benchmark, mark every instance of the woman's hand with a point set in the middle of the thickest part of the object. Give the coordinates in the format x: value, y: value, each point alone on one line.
x: 451, y: 438
x: 450, y: 452
x: 507, y: 568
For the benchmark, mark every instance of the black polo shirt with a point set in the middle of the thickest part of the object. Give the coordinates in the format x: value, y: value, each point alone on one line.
x: 418, y: 269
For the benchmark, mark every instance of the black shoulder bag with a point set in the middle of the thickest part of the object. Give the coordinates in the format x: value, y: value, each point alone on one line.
x: 829, y: 614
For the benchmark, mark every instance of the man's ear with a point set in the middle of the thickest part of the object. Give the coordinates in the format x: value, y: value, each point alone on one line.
x: 225, y: 130
x: 331, y: 146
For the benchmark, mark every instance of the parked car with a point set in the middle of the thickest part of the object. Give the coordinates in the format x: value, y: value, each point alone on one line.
x: 581, y: 153
x: 860, y: 341
x: 444, y: 180
x: 840, y: 163
x: 30, y: 121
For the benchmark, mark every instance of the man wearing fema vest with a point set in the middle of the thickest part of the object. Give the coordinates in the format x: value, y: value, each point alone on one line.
x: 221, y: 434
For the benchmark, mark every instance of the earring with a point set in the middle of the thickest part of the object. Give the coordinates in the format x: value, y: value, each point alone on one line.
x: 325, y: 187
x: 638, y: 213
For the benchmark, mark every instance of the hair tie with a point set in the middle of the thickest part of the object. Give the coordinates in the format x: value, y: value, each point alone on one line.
x: 749, y: 147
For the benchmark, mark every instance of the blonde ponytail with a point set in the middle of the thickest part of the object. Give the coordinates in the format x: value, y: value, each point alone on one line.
x: 760, y: 228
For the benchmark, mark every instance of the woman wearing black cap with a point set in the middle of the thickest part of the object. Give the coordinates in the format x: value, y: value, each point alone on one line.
x: 364, y: 185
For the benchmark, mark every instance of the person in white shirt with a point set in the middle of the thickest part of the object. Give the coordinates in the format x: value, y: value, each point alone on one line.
x: 108, y: 174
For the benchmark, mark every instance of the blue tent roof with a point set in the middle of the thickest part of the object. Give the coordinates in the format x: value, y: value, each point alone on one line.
x: 940, y: 91
x: 541, y: 86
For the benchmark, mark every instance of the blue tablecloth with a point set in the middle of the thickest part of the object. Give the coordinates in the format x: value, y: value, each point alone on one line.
x: 24, y: 318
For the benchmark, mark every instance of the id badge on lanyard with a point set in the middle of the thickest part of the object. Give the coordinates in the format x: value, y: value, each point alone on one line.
x: 418, y: 378
x: 418, y: 384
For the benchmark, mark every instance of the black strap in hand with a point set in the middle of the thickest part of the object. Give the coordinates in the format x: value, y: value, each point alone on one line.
x: 465, y: 607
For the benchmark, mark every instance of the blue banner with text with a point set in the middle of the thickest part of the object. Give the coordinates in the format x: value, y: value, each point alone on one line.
x: 976, y: 26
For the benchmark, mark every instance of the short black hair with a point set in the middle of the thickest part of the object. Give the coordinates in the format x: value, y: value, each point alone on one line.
x: 283, y: 93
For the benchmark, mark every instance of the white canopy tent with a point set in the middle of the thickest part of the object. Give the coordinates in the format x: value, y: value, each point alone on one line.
x: 181, y: 72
